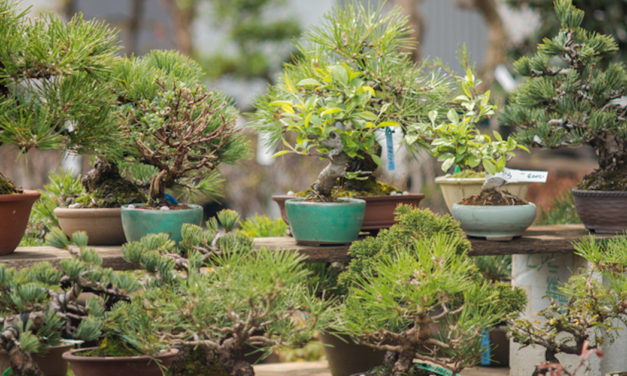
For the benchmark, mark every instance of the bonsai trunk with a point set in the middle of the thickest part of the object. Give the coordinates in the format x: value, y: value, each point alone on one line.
x: 403, y: 363
x: 232, y: 360
x: 157, y: 189
x: 365, y: 165
x: 611, y: 151
x: 22, y: 363
x: 328, y: 177
x: 106, y: 184
x: 6, y: 186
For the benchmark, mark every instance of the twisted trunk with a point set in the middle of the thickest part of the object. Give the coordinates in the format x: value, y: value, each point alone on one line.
x: 611, y: 151
x: 22, y: 364
x: 321, y: 190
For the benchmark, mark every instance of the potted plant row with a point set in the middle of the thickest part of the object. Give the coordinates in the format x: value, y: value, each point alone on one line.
x: 353, y: 81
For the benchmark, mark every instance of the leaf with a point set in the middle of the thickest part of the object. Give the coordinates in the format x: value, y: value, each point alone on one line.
x: 308, y: 82
x: 288, y: 83
x: 388, y: 124
x: 367, y: 115
x: 452, y: 116
x: 489, y: 166
x: 339, y: 74
x: 280, y: 153
x: 447, y: 164
x: 330, y: 111
x: 287, y: 108
x: 497, y: 135
x: 368, y: 89
x: 433, y: 115
x: 376, y: 159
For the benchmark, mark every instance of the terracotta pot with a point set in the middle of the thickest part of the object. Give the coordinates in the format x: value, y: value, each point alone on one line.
x: 117, y: 365
x: 603, y: 212
x: 456, y: 189
x: 102, y: 225
x: 50, y: 363
x: 346, y: 358
x: 14, y: 213
x: 379, y: 212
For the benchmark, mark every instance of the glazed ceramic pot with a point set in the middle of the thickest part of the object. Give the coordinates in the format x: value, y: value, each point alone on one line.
x: 379, y: 213
x: 325, y: 222
x: 500, y: 222
x: 118, y: 365
x: 603, y: 212
x: 456, y: 189
x: 14, y: 212
x: 102, y: 225
x: 51, y: 363
x: 138, y: 222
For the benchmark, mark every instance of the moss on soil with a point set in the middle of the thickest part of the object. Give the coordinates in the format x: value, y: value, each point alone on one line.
x: 600, y: 180
x: 371, y: 188
x: 113, y: 347
x: 196, y: 362
x: 7, y: 187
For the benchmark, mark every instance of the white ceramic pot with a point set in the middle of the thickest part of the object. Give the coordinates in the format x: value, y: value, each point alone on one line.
x: 456, y: 189
x: 498, y: 222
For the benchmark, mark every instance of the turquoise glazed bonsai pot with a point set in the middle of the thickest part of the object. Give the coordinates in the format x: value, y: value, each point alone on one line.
x: 325, y: 222
x: 138, y: 222
x: 501, y: 222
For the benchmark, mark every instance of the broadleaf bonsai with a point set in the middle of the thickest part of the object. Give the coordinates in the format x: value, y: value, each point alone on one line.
x: 53, y: 75
x: 571, y: 97
x: 354, y: 78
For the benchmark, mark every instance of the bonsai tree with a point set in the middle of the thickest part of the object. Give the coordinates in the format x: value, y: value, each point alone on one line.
x: 353, y: 79
x: 250, y: 301
x: 421, y: 299
x: 40, y: 305
x: 596, y: 305
x: 53, y: 76
x: 569, y: 98
x: 182, y: 132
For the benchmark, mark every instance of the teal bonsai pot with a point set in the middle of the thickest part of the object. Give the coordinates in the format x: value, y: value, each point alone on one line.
x: 138, y: 222
x: 325, y: 222
x: 499, y: 222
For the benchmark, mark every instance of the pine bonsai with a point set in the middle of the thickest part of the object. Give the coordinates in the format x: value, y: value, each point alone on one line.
x: 571, y: 97
x: 597, y: 304
x: 415, y: 293
x: 353, y: 78
x: 53, y: 75
x: 173, y: 126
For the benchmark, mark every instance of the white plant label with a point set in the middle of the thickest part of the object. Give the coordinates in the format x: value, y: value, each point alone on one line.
x: 526, y: 176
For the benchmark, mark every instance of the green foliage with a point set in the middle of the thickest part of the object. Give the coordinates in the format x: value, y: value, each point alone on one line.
x: 567, y: 98
x: 456, y: 140
x: 52, y: 81
x: 494, y: 267
x: 412, y: 225
x: 250, y: 34
x: 562, y: 211
x: 597, y: 303
x: 353, y: 77
x: 261, y: 226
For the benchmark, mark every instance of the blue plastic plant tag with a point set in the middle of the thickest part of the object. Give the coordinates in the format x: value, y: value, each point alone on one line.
x: 170, y: 199
x: 389, y: 144
x: 485, y: 345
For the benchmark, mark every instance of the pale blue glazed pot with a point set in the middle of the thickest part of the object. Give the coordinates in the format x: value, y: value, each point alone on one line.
x: 494, y: 222
x: 137, y: 222
x: 325, y: 222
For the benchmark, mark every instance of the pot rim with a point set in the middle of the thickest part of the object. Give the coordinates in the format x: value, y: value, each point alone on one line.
x: 79, y: 212
x: 342, y: 201
x: 27, y: 193
x: 72, y: 356
x: 497, y: 207
x: 593, y: 193
x: 447, y: 179
x: 367, y: 198
x: 191, y: 208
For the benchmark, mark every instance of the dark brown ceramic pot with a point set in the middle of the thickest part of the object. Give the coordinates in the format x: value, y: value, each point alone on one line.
x: 602, y: 212
x: 118, y: 365
x: 379, y: 209
x: 346, y: 358
x: 50, y: 363
x: 14, y: 213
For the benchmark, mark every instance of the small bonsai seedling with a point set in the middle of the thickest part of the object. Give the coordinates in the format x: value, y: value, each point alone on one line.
x: 420, y: 299
x: 596, y: 305
x: 183, y: 133
x: 570, y: 98
x: 354, y: 78
x: 52, y: 83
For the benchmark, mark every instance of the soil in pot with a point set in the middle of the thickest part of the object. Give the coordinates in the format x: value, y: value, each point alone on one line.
x: 118, y: 365
x: 493, y: 197
x: 50, y: 363
x: 14, y: 212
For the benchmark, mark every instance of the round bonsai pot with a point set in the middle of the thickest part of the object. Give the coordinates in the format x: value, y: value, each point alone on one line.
x: 456, y: 189
x: 347, y: 358
x: 50, y: 363
x: 138, y: 222
x: 325, y: 222
x: 14, y: 213
x: 102, y: 225
x: 118, y: 365
x: 499, y: 222
x: 379, y: 213
x: 603, y: 212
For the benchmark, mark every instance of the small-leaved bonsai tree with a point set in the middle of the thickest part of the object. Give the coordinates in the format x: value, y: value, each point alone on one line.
x: 570, y: 98
x: 53, y: 75
x: 353, y: 79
